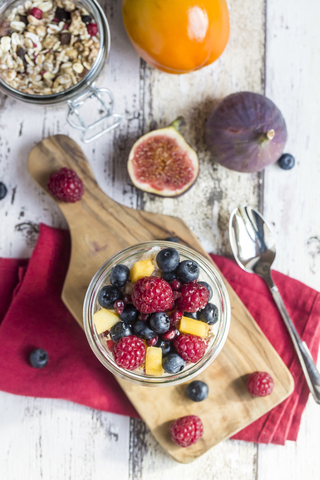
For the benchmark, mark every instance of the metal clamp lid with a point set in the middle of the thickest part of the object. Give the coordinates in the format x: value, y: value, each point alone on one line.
x: 75, y: 104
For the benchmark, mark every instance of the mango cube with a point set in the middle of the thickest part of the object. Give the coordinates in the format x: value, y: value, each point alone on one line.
x: 154, y: 361
x: 143, y: 268
x: 194, y: 327
x: 104, y: 319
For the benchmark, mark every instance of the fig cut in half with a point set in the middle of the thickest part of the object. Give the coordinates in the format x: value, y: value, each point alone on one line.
x: 162, y: 163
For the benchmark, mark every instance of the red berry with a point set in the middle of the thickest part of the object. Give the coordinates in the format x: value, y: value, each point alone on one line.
x: 176, y: 285
x: 186, y: 431
x: 65, y: 185
x: 175, y: 317
x: 119, y: 306
x: 129, y: 352
x: 152, y: 341
x: 110, y: 344
x: 190, y: 347
x: 152, y: 294
x: 92, y: 29
x: 193, y: 297
x: 127, y: 299
x: 260, y: 384
x: 36, y: 12
x: 170, y: 335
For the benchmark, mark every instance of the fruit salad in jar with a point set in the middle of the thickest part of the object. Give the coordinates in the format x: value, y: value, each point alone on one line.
x: 157, y: 313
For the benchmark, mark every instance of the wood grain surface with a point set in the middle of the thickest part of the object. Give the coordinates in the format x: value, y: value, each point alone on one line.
x: 99, y: 228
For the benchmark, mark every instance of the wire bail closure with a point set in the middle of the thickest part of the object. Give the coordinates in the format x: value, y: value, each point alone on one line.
x: 75, y: 104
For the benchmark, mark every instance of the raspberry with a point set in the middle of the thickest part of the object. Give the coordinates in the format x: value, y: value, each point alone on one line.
x: 152, y: 294
x: 193, y: 297
x: 65, y: 185
x: 129, y: 352
x: 92, y: 29
x: 190, y: 347
x: 186, y: 431
x: 36, y: 12
x: 260, y: 384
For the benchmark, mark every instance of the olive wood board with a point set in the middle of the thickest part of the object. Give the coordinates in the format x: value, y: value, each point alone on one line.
x: 99, y: 228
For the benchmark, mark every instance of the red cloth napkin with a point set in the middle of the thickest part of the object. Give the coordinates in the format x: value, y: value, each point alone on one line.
x: 32, y: 315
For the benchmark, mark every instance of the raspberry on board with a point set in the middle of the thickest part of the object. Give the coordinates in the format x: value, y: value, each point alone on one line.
x: 129, y: 352
x: 260, y: 384
x: 190, y: 347
x: 152, y: 294
x: 186, y: 431
x: 193, y: 297
x: 66, y: 186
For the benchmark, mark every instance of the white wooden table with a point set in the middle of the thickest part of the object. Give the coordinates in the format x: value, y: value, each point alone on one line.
x: 274, y: 49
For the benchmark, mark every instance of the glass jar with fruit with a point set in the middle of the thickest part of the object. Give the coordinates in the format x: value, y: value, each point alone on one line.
x: 157, y: 313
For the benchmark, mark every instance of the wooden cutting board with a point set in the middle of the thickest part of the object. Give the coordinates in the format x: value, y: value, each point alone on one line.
x: 100, y: 228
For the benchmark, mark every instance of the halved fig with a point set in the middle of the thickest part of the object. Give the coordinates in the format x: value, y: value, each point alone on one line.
x: 162, y: 163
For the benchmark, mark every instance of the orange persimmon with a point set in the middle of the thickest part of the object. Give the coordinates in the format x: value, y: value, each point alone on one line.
x: 177, y: 36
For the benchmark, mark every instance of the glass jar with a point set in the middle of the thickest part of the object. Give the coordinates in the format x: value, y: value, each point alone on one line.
x: 86, y: 88
x: 220, y: 298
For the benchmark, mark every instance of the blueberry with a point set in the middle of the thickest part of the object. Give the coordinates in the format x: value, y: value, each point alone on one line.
x: 129, y: 314
x: 142, y: 330
x: 38, y: 358
x: 169, y: 276
x: 86, y: 19
x: 197, y: 391
x: 172, y: 239
x: 61, y: 14
x: 108, y: 295
x: 188, y: 271
x: 286, y: 161
x: 173, y: 363
x: 120, y: 330
x: 3, y: 190
x: 193, y: 315
x: 168, y: 259
x: 205, y: 284
x: 119, y: 275
x: 166, y: 346
x: 209, y: 315
x: 159, y: 322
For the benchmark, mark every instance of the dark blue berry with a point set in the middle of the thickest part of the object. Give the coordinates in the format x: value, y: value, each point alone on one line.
x: 3, y: 190
x: 108, y: 295
x: 159, y: 322
x: 119, y: 275
x: 173, y: 363
x: 286, y: 161
x: 142, y: 330
x: 193, y: 315
x: 38, y: 358
x: 172, y: 239
x: 209, y: 315
x: 169, y: 276
x: 61, y: 14
x: 166, y: 346
x: 208, y: 287
x: 168, y: 259
x: 197, y: 391
x: 86, y: 19
x: 130, y: 313
x: 120, y: 330
x: 187, y: 271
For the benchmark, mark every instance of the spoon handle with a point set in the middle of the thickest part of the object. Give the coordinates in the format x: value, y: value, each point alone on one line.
x: 308, y: 366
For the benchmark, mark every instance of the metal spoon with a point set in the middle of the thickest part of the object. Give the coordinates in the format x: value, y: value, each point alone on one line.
x: 254, y: 249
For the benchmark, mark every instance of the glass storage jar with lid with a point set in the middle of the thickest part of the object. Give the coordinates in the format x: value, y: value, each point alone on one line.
x: 78, y: 93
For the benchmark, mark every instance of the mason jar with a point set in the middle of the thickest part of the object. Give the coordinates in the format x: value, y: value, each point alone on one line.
x: 217, y: 337
x: 75, y: 96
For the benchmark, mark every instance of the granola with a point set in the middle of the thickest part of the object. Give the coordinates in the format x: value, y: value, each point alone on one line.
x: 47, y: 47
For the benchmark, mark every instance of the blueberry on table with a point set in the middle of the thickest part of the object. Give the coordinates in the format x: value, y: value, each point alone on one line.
x: 108, y: 295
x: 165, y: 346
x: 130, y: 313
x: 188, y: 271
x: 169, y: 276
x: 197, y: 391
x: 159, y: 322
x: 173, y: 363
x: 119, y: 275
x: 172, y: 239
x: 205, y: 284
x: 168, y: 259
x: 286, y: 161
x: 3, y: 190
x: 120, y: 330
x: 142, y: 330
x: 38, y: 358
x: 209, y: 315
